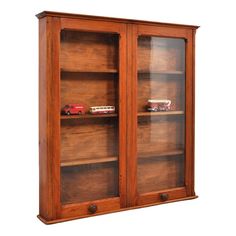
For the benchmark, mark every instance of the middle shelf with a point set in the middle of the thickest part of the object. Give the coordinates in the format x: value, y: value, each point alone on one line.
x: 66, y: 117
x: 140, y: 114
x: 88, y: 161
x: 141, y: 156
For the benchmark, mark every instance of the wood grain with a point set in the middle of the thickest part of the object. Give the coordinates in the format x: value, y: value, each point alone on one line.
x: 160, y: 173
x: 89, y: 89
x: 160, y: 134
x: 84, y: 139
x: 131, y: 115
x: 89, y: 182
x: 160, y: 54
x: 49, y: 141
x: 160, y: 113
x: 124, y: 160
x: 86, y: 116
x: 88, y: 51
x: 172, y: 153
x: 88, y: 161
x: 102, y: 19
x: 161, y: 88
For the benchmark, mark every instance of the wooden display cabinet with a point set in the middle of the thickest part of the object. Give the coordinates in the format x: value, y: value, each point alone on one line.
x: 94, y: 164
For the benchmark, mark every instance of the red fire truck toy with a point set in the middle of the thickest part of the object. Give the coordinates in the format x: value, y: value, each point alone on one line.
x: 158, y: 105
x: 73, y: 109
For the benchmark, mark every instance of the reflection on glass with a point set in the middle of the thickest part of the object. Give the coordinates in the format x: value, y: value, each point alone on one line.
x: 161, y: 108
x: 89, y: 136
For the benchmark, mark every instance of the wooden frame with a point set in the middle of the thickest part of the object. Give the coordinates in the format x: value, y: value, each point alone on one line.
x: 51, y: 25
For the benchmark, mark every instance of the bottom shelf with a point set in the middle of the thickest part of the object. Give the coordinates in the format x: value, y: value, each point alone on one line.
x: 86, y: 161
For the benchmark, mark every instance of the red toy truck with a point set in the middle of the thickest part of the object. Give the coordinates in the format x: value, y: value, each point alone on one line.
x: 73, y: 109
x: 158, y: 105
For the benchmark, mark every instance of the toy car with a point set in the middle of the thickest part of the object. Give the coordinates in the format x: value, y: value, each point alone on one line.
x: 158, y: 105
x: 102, y: 110
x: 73, y: 109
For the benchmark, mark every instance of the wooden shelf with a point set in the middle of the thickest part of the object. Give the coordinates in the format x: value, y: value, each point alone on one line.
x: 147, y: 155
x: 86, y: 116
x: 160, y: 113
x: 168, y: 72
x: 88, y: 161
x: 89, y: 71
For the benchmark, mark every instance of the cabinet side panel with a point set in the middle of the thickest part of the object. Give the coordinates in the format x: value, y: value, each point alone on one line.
x: 44, y: 189
x: 48, y: 118
x: 189, y: 173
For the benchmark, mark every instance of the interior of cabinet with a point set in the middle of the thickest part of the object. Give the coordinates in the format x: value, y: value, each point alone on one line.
x: 89, y: 143
x: 88, y: 51
x: 160, y: 173
x: 89, y: 89
x: 86, y: 140
x: 160, y: 55
x: 161, y: 135
x: 89, y: 182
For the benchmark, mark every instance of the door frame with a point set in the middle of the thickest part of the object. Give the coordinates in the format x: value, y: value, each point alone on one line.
x: 56, y: 25
x: 133, y: 32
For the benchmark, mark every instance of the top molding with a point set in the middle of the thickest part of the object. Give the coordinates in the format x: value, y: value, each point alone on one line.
x: 131, y: 21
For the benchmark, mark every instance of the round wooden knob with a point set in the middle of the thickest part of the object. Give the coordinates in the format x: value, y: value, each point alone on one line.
x: 92, y: 208
x: 164, y: 197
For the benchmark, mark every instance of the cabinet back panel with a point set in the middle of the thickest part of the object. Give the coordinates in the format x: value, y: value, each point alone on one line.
x: 154, y: 86
x: 89, y: 89
x: 160, y: 134
x: 160, y: 173
x: 89, y: 182
x: 89, y: 138
x: 161, y: 54
x: 88, y: 51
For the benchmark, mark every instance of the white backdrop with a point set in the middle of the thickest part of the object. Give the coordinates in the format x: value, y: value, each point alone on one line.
x: 215, y: 121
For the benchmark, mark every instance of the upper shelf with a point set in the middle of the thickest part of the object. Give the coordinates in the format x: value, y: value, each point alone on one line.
x: 106, y: 70
x: 163, y: 72
x: 140, y: 114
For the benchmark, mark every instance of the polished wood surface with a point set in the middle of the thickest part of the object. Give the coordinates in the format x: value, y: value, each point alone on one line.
x: 91, y: 116
x: 93, y: 138
x: 49, y: 113
x: 102, y: 87
x: 89, y: 182
x: 111, y: 19
x: 160, y: 173
x: 154, y: 154
x: 172, y: 89
x: 84, y: 161
x: 88, y: 51
x: 160, y: 113
x: 160, y: 54
x: 118, y: 161
x: 160, y: 134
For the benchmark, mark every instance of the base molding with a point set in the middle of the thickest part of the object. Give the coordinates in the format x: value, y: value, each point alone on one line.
x: 47, y: 222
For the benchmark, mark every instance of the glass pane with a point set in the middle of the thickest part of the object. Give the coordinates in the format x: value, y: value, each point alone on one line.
x: 161, y: 108
x: 89, y: 120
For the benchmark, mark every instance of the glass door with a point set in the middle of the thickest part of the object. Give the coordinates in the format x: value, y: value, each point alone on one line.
x: 160, y: 114
x: 89, y: 126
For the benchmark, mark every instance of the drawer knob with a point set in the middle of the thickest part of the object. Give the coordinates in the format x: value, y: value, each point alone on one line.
x: 92, y: 208
x: 164, y: 197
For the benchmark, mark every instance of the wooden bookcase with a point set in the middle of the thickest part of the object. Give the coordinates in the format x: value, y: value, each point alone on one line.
x: 94, y: 164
